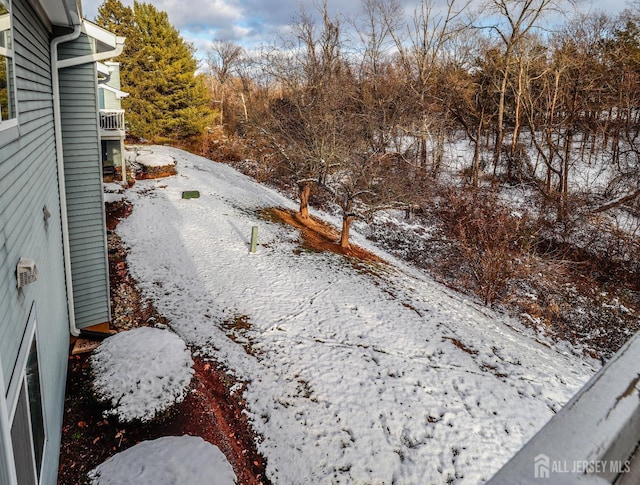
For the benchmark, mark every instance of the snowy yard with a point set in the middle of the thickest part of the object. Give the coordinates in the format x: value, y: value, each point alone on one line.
x: 355, y: 372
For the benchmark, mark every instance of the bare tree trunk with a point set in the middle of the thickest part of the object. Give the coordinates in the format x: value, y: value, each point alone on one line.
x: 476, y: 154
x: 618, y: 202
x: 346, y: 229
x: 304, y: 191
x: 497, y: 149
x: 244, y: 106
x: 516, y: 126
x: 438, y: 154
x: 605, y: 129
x: 222, y: 101
x: 550, y: 130
x: 423, y: 144
x: 564, y: 182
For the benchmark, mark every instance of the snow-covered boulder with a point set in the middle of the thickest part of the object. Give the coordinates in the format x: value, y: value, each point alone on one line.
x: 141, y: 372
x: 155, y: 165
x: 169, y: 460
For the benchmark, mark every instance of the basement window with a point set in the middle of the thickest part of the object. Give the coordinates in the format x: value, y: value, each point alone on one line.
x: 28, y: 433
x: 7, y: 75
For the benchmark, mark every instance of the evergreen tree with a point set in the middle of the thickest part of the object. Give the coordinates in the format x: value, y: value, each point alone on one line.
x: 119, y: 19
x: 158, y: 70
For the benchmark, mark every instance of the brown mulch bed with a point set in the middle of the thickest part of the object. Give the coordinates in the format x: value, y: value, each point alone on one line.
x: 317, y: 235
x: 210, y: 410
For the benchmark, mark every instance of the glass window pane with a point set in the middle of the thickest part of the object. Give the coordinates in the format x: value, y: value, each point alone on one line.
x: 35, y: 405
x: 7, y: 93
x: 5, y: 25
x: 22, y: 444
x: 27, y: 430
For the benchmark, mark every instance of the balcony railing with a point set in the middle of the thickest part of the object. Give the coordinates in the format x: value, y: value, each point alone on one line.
x: 594, y: 438
x: 112, y: 120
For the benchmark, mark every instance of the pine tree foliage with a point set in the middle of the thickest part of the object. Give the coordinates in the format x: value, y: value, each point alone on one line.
x: 167, y: 99
x: 119, y: 19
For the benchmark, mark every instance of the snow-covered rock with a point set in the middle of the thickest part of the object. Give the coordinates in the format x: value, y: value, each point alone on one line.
x: 141, y: 372
x: 171, y: 460
x: 155, y: 160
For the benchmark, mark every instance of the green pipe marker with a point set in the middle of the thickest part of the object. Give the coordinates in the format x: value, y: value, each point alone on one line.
x: 190, y: 194
x: 254, y: 239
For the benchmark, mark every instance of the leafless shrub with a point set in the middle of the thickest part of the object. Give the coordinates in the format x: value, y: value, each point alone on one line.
x: 493, y: 242
x: 606, y: 244
x: 517, y: 164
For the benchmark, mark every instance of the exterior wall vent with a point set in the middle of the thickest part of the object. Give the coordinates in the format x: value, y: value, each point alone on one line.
x: 27, y: 272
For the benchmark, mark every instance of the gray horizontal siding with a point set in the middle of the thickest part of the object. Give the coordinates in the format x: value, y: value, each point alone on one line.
x: 28, y: 182
x: 83, y: 182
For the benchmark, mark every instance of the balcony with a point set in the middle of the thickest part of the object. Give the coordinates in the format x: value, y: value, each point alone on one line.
x: 112, y: 123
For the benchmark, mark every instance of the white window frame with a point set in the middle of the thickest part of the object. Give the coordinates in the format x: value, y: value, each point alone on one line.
x: 18, y: 383
x: 9, y: 127
x: 6, y: 459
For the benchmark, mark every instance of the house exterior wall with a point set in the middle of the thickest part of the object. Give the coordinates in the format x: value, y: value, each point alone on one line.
x: 28, y: 183
x: 110, y: 99
x: 113, y: 129
x: 83, y: 181
x: 34, y: 319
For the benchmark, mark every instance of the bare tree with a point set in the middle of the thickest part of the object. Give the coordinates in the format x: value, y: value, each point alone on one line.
x: 223, y: 61
x: 465, y: 93
x: 380, y: 92
x: 428, y: 35
x: 307, y: 122
x: 515, y: 19
x: 366, y: 184
x: 331, y: 119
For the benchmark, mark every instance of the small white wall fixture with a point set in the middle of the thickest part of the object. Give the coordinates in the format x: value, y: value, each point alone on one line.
x: 26, y: 272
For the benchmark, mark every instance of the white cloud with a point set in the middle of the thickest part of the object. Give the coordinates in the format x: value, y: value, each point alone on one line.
x: 200, y: 15
x: 250, y: 22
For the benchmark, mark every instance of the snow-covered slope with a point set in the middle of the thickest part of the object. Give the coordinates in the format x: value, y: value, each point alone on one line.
x: 357, y: 372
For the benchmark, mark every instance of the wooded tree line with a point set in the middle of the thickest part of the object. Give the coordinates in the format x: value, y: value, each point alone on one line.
x: 441, y: 113
x: 365, y: 111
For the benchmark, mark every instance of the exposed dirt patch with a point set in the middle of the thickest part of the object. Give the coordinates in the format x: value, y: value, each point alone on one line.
x: 460, y: 345
x: 145, y: 172
x: 213, y: 408
x: 317, y: 235
x: 209, y: 411
x: 117, y: 211
x: 237, y: 329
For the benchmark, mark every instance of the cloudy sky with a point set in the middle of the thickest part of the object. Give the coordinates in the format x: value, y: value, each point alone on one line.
x: 251, y: 22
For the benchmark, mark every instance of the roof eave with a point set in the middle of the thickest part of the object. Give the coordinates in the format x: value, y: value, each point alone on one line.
x: 64, y: 13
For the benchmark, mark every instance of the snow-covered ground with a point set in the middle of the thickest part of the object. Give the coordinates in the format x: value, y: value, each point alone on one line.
x: 356, y: 372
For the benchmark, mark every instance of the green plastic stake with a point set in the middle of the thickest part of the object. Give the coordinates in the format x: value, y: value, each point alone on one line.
x: 254, y: 239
